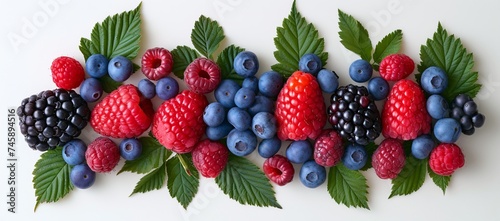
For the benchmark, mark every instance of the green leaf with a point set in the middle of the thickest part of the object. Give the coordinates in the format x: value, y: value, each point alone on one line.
x: 296, y: 38
x: 390, y: 44
x: 347, y: 186
x: 182, y: 56
x: 206, y: 36
x: 244, y: 182
x: 87, y: 48
x: 151, y: 181
x: 440, y: 181
x: 411, y: 178
x: 447, y: 52
x: 153, y: 155
x: 182, y: 186
x: 51, y: 177
x: 108, y: 84
x: 225, y: 61
x: 354, y: 36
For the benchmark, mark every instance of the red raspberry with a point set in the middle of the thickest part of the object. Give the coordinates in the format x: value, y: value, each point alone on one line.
x: 157, y: 63
x: 67, y: 72
x: 328, y: 148
x: 446, y: 158
x: 102, y: 155
x: 300, y: 109
x: 388, y: 159
x: 210, y: 158
x: 279, y: 169
x: 405, y: 115
x: 178, y: 123
x: 395, y: 67
x: 122, y: 114
x: 202, y: 75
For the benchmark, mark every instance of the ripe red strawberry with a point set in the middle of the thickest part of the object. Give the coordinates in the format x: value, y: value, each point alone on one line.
x: 122, y: 114
x: 388, y: 159
x: 102, y: 155
x: 300, y: 109
x: 405, y: 115
x: 157, y: 63
x: 202, y: 75
x: 178, y: 123
x: 210, y: 158
x: 328, y: 148
x: 279, y: 169
x: 395, y: 67
x: 446, y: 158
x: 67, y: 73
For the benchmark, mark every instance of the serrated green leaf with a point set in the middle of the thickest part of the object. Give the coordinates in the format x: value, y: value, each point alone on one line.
x: 354, y: 36
x: 294, y: 39
x: 51, y: 177
x: 182, y: 56
x: 153, y: 155
x: 154, y: 180
x: 411, y: 178
x: 390, y: 44
x: 180, y: 185
x: 244, y: 182
x: 87, y: 48
x: 206, y: 36
x: 225, y: 61
x: 347, y: 186
x: 447, y: 52
x: 440, y: 181
x: 370, y: 148
x: 108, y: 84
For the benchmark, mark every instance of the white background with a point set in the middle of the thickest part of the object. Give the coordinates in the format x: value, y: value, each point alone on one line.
x: 474, y: 189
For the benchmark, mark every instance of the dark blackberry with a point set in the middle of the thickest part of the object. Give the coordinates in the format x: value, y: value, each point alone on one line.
x: 354, y: 114
x: 465, y: 111
x: 52, y: 118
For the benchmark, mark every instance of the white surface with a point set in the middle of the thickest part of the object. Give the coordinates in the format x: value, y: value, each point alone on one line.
x: 473, y: 192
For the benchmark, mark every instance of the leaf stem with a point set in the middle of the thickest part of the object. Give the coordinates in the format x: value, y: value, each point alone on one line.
x: 184, y: 164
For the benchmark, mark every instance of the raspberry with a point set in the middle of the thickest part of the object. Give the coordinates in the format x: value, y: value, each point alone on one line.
x: 202, y: 75
x: 156, y: 63
x: 102, y: 155
x: 279, y: 169
x: 405, y: 115
x: 388, y: 159
x: 328, y: 148
x: 395, y: 67
x: 122, y: 114
x: 446, y: 158
x: 178, y: 123
x: 300, y: 110
x: 210, y: 158
x: 67, y: 72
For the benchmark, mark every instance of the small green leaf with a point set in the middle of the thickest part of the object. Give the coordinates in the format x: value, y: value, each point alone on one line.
x: 225, y: 61
x: 182, y: 56
x: 108, y: 84
x: 440, y: 181
x: 296, y: 38
x: 87, y: 48
x: 347, y: 186
x: 51, y: 177
x: 244, y: 182
x: 206, y: 36
x: 151, y: 181
x: 390, y: 44
x: 370, y: 148
x: 182, y: 186
x: 153, y: 155
x: 411, y: 178
x: 354, y: 36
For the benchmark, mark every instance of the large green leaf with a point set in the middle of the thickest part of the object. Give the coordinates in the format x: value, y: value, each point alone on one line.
x: 348, y: 186
x: 153, y: 155
x: 354, y: 36
x: 151, y: 181
x: 390, y: 44
x: 182, y: 56
x: 181, y: 185
x: 225, y: 61
x: 206, y: 36
x: 411, y: 178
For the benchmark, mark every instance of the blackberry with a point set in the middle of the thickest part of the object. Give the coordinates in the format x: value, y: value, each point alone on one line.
x: 465, y: 111
x: 354, y: 114
x: 52, y: 118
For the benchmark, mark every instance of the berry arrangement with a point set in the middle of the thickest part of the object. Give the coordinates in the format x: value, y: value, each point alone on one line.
x: 389, y: 123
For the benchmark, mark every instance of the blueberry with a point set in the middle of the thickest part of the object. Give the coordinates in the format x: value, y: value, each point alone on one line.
x: 299, y: 151
x: 360, y: 71
x: 422, y: 146
x: 264, y: 125
x: 241, y: 142
x: 310, y: 63
x: 261, y: 104
x: 447, y: 130
x: 434, y: 80
x: 460, y: 100
x: 225, y: 92
x: 478, y: 120
x: 328, y: 80
x: 437, y: 106
x: 74, y: 152
x: 97, y: 65
x: 167, y: 88
x: 81, y: 176
x: 457, y: 112
x: 465, y: 122
x: 91, y: 89
x: 252, y: 83
x: 219, y: 132
x: 244, y: 97
x: 239, y: 118
x: 354, y: 157
x: 270, y: 84
x: 246, y: 64
x: 269, y: 147
x: 470, y: 108
x: 378, y: 88
x: 214, y: 114
x: 312, y: 174
x: 130, y: 148
x: 147, y: 88
x: 120, y: 68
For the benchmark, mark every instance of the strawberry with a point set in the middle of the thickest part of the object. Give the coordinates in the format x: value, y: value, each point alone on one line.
x: 395, y: 67
x: 102, y: 155
x: 122, y: 114
x: 300, y: 110
x: 67, y: 73
x: 388, y: 159
x: 178, y: 123
x: 405, y: 115
x: 210, y: 158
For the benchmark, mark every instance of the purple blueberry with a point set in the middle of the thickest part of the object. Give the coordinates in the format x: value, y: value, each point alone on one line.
x: 312, y: 174
x: 147, y: 88
x: 422, y: 146
x: 239, y: 118
x: 214, y: 114
x: 74, y: 152
x: 252, y: 83
x: 264, y: 125
x: 360, y: 71
x: 261, y: 104
x: 81, y: 176
x: 246, y: 64
x: 478, y: 120
x: 447, y: 130
x: 244, y: 98
x: 379, y: 88
x: 437, y: 107
x: 434, y: 80
x: 270, y: 84
x: 470, y: 108
x: 299, y: 151
x: 328, y: 80
x: 460, y: 100
x: 310, y: 63
x: 225, y: 92
x: 354, y: 157
x: 220, y: 131
x: 91, y: 89
x: 120, y: 68
x: 97, y: 65
x: 241, y: 142
x: 269, y: 147
x: 130, y: 148
x: 167, y: 88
